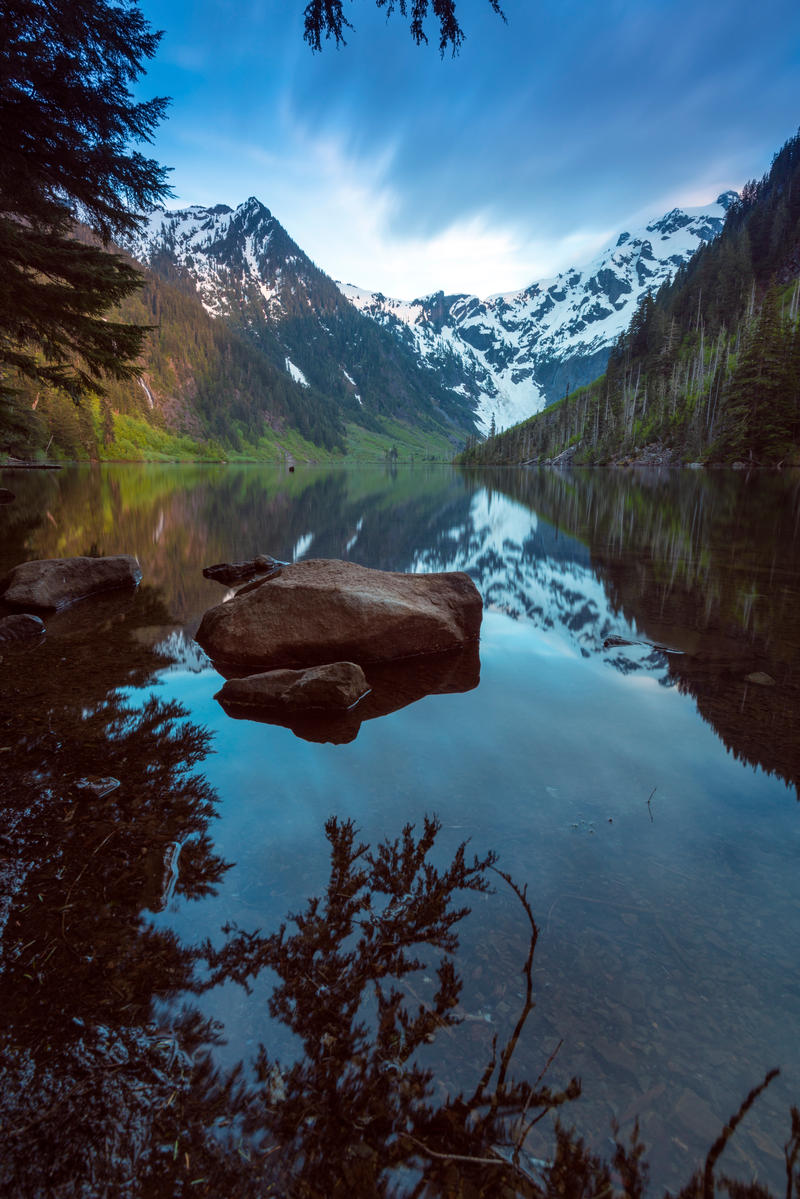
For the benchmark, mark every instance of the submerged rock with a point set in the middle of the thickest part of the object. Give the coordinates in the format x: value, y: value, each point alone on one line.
x: 334, y: 687
x: 22, y: 626
x: 324, y: 610
x: 6, y: 496
x: 239, y: 572
x: 53, y: 583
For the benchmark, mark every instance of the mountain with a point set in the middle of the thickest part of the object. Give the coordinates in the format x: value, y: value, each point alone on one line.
x: 708, y: 368
x: 250, y: 276
x: 523, y: 350
x: 256, y: 351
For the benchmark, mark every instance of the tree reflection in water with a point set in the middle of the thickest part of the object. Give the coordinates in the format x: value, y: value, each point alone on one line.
x: 102, y: 1095
x: 357, y: 1108
x: 706, y: 564
x: 355, y: 1115
x: 97, y: 1097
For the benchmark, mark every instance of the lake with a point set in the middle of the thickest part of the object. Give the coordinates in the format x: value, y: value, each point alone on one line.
x: 625, y: 740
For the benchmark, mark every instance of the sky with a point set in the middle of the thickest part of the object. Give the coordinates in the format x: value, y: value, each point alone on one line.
x: 400, y: 171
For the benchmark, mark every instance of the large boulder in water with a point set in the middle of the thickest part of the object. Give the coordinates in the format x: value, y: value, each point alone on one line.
x: 322, y: 610
x: 52, y: 583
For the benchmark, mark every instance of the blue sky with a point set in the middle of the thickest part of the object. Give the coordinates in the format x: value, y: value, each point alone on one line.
x: 399, y: 171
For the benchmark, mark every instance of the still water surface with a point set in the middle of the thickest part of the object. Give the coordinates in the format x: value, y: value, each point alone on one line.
x: 627, y: 745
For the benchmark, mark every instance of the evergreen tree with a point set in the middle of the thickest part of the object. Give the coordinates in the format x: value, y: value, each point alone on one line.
x: 711, y: 364
x: 67, y: 121
x: 759, y: 410
x: 326, y: 19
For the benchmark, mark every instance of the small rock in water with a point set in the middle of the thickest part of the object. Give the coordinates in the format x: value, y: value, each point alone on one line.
x: 22, y: 626
x: 6, y: 496
x: 696, y: 1115
x: 239, y: 572
x: 336, y: 686
x: 98, y: 786
x: 54, y: 583
x: 760, y: 679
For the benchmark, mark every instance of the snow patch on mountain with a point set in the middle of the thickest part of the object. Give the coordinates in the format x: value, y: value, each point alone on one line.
x: 504, y: 357
x: 521, y: 350
x: 296, y: 373
x: 225, y: 251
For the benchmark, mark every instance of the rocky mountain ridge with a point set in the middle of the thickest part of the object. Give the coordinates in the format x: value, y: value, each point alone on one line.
x: 453, y: 363
x: 250, y: 274
x: 523, y: 350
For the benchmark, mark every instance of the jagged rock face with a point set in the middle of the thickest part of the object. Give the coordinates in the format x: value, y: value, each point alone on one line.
x: 523, y: 350
x: 456, y: 360
x: 324, y: 610
x: 249, y: 273
x: 233, y: 254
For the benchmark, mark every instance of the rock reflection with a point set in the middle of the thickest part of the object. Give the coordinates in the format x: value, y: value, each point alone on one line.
x: 394, y: 685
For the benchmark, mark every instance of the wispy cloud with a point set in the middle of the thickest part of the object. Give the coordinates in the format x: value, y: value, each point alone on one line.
x: 401, y: 172
x: 343, y: 212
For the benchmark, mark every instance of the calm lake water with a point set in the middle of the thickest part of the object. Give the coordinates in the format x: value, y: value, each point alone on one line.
x: 627, y: 744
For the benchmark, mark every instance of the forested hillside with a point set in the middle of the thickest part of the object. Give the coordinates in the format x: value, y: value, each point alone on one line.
x: 205, y: 390
x: 250, y: 275
x: 247, y: 354
x: 709, y: 368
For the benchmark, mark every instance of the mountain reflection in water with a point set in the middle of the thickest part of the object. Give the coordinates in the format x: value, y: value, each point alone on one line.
x: 661, y: 872
x: 707, y: 566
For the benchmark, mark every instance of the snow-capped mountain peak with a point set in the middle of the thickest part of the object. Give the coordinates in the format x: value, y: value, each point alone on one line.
x: 225, y: 250
x: 250, y: 274
x: 504, y: 356
x: 524, y: 349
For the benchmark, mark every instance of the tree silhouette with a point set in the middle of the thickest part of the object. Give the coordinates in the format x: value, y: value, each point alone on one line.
x: 68, y: 118
x: 104, y: 815
x: 326, y: 19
